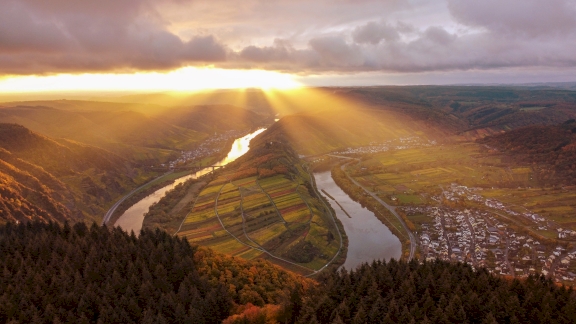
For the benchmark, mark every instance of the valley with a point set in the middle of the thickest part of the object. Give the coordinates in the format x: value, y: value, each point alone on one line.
x: 288, y: 162
x: 474, y: 177
x: 468, y: 203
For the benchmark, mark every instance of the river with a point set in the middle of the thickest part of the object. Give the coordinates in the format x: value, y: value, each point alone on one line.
x: 368, y: 238
x: 133, y: 217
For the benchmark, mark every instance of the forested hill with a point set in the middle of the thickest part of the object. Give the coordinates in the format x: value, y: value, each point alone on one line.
x: 59, y: 158
x: 88, y: 275
x: 81, y: 274
x: 45, y: 179
x: 549, y: 150
x: 435, y: 292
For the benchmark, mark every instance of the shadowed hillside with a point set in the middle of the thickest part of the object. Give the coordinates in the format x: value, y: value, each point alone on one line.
x: 57, y: 180
x: 473, y: 111
x: 549, y: 150
x: 132, y: 134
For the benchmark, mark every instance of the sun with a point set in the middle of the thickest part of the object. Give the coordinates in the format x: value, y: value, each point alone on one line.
x: 183, y: 79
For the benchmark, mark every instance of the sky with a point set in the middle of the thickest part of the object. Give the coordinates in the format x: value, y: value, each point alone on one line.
x: 310, y: 42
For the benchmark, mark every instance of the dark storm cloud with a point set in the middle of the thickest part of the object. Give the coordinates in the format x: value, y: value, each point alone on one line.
x: 39, y: 36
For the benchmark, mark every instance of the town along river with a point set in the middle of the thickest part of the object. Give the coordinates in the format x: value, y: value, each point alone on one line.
x: 133, y: 217
x: 368, y: 238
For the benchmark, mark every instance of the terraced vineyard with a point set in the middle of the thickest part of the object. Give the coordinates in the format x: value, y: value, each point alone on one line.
x: 273, y: 217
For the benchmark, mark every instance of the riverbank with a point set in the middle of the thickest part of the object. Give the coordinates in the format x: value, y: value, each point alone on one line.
x: 381, y: 213
x: 130, y: 215
x: 340, y: 258
x: 367, y: 238
x: 145, y: 190
x: 168, y: 213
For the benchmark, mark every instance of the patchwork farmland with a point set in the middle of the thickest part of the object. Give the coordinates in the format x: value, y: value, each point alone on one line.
x: 254, y: 216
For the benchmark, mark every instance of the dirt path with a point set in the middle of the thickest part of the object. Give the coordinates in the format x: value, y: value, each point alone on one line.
x: 190, y: 196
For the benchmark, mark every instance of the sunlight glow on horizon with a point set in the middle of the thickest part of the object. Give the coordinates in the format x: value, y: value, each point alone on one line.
x: 183, y: 79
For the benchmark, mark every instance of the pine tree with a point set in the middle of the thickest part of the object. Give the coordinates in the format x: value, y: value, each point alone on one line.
x: 360, y: 317
x: 489, y: 319
x: 337, y: 320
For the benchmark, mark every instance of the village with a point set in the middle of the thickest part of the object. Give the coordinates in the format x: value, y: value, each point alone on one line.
x: 396, y: 144
x: 208, y: 147
x: 480, y: 238
x: 479, y: 234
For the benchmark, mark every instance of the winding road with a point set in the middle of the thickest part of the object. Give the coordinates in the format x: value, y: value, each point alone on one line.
x: 112, y: 209
x: 258, y: 247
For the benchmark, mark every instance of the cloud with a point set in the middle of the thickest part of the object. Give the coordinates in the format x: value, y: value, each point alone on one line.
x: 520, y: 18
x: 432, y: 49
x: 374, y: 32
x: 67, y: 35
x: 298, y: 36
x: 335, y: 51
x: 281, y: 51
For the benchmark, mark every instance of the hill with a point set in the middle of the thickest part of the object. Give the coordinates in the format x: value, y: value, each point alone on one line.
x: 58, y: 180
x: 330, y: 130
x: 328, y: 119
x: 61, y: 158
x: 212, y: 118
x: 23, y: 196
x: 435, y: 292
x: 472, y: 111
x: 549, y: 150
x: 249, y: 99
x: 143, y: 133
x: 131, y: 134
x: 263, y: 205
x: 94, y: 274
x: 88, y: 105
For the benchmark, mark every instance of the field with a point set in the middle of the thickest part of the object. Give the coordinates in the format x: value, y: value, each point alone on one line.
x: 273, y: 217
x: 415, y: 176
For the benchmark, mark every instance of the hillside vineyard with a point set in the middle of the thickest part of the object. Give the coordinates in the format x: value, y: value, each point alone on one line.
x: 471, y: 191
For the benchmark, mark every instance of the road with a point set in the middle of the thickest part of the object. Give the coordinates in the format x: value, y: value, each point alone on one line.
x: 445, y: 234
x: 473, y: 239
x: 271, y: 201
x: 258, y: 247
x: 392, y: 209
x: 112, y: 209
x: 511, y: 270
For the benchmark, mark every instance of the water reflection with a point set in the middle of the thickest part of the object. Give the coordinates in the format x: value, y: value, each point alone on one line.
x: 133, y: 217
x: 368, y: 238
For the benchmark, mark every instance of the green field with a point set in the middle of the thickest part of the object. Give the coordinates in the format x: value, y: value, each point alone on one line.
x: 412, y: 176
